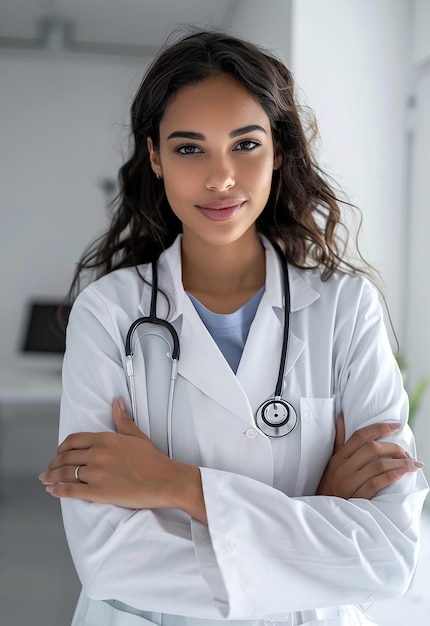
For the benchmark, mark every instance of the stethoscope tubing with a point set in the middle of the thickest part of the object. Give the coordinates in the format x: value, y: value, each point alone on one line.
x: 153, y: 319
x: 285, y: 417
x: 287, y: 311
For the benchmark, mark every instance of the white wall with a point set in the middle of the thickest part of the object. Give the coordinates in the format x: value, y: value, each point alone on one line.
x: 267, y: 24
x: 351, y: 60
x: 63, y: 127
x: 420, y: 34
x: 418, y: 213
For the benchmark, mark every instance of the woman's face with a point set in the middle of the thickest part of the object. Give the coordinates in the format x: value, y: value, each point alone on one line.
x: 216, y: 157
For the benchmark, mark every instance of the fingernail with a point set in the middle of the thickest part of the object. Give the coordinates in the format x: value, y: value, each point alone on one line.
x: 49, y: 488
x: 418, y: 464
x: 121, y: 404
x: 42, y: 478
x: 393, y: 426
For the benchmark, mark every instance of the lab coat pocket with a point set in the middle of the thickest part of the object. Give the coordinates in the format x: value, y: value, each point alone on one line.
x: 317, y: 425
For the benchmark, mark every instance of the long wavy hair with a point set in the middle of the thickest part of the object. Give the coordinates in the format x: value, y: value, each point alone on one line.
x: 303, y: 214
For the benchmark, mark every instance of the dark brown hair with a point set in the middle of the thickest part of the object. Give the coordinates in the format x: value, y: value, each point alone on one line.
x: 302, y: 216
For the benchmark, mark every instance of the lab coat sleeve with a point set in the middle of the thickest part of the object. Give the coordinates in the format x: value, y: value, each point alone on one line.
x: 276, y: 554
x: 142, y: 558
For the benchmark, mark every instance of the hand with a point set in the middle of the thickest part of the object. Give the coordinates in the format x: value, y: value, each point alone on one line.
x: 123, y: 468
x: 364, y: 465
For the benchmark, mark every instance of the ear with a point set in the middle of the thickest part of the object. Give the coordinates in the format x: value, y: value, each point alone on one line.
x: 154, y: 157
x: 277, y: 161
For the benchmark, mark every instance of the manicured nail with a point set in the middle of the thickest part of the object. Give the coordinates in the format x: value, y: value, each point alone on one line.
x: 42, y: 478
x: 49, y: 488
x: 393, y: 426
x: 418, y: 464
x: 121, y: 404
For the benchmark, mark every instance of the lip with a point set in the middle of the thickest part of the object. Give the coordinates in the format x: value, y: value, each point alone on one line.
x: 224, y: 203
x: 221, y: 210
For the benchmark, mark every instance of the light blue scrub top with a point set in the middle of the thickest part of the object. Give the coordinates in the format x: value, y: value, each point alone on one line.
x: 230, y: 331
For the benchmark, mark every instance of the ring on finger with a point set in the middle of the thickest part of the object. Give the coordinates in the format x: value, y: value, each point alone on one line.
x: 77, y: 468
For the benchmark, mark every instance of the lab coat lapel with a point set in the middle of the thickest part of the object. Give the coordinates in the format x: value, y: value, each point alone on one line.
x: 259, y: 367
x: 203, y: 364
x: 200, y: 361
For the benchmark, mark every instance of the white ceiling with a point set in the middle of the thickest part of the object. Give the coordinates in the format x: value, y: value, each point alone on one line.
x: 132, y: 27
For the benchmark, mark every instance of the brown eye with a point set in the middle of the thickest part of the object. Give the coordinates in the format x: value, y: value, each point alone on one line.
x: 188, y: 149
x: 247, y: 145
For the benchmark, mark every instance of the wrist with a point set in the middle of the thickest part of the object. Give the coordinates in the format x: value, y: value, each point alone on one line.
x: 188, y: 492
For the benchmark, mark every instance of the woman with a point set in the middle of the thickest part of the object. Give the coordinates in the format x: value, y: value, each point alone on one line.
x: 208, y: 514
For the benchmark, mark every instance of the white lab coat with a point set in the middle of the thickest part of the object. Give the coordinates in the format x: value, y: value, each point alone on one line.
x: 272, y: 550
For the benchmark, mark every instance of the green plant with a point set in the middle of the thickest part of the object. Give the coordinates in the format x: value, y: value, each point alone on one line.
x: 415, y: 394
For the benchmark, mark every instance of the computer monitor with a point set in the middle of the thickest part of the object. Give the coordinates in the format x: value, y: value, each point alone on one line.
x: 44, y: 331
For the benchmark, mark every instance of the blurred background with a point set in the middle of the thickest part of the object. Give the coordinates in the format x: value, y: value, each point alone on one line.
x: 68, y: 71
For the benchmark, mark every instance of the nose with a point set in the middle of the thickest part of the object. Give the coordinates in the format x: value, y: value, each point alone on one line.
x: 220, y: 176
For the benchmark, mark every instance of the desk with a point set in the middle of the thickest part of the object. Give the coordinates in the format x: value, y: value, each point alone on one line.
x: 27, y: 439
x: 28, y: 386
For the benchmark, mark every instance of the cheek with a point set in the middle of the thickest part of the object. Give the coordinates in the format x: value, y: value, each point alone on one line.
x: 178, y: 175
x: 173, y: 183
x: 260, y: 176
x: 179, y: 192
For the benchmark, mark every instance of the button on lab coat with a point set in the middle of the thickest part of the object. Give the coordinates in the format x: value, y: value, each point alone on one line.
x: 273, y: 550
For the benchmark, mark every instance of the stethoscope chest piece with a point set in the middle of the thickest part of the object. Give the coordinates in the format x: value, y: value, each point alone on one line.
x: 276, y: 417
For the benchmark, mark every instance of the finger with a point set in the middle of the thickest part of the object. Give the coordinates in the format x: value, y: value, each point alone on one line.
x: 344, y: 479
x: 372, y: 459
x: 81, y: 491
x: 77, y: 441
x: 374, y: 450
x: 393, y: 450
x: 340, y: 433
x: 373, y: 474
x: 70, y: 490
x: 123, y: 422
x: 63, y: 468
x: 71, y: 457
x: 366, y: 435
x: 374, y: 484
x: 64, y: 474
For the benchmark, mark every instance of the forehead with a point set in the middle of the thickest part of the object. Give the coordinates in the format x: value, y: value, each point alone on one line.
x: 218, y: 101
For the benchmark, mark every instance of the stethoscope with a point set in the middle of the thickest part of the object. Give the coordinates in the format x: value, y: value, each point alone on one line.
x: 275, y: 417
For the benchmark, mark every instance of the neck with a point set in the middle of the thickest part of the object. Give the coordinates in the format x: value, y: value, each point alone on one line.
x: 223, y: 277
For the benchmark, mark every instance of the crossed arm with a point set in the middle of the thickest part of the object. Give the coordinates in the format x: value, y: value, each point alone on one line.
x: 126, y: 469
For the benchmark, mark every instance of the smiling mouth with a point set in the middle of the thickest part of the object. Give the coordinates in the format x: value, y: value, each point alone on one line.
x: 220, y: 211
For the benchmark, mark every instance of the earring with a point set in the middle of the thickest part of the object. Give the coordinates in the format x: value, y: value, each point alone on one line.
x: 158, y: 176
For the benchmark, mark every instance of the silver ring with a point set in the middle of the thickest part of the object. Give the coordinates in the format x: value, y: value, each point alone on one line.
x: 77, y: 468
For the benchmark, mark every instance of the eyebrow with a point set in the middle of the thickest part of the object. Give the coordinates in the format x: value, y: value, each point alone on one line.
x: 189, y: 134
